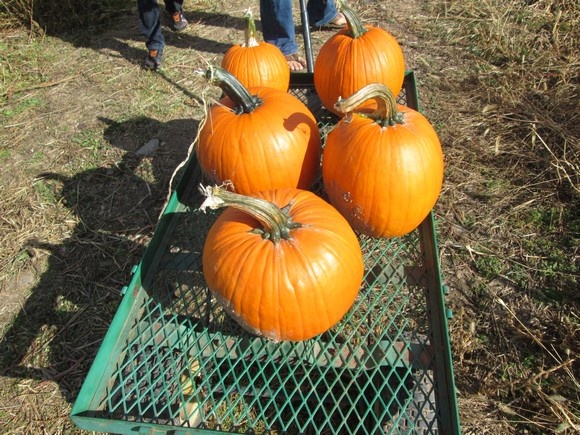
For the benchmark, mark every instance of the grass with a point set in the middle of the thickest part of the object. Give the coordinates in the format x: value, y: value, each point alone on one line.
x: 510, y: 214
x: 498, y: 80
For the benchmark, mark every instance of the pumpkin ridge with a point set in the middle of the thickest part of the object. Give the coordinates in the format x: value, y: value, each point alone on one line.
x: 351, y: 154
x: 258, y: 304
x: 303, y: 298
x: 297, y: 292
x: 329, y: 242
x: 240, y: 296
x: 219, y: 262
x: 376, y: 155
x: 277, y: 143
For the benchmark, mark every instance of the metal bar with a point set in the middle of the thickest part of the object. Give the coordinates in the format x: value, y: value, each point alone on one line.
x: 446, y: 396
x: 205, y: 344
x: 306, y: 35
x: 302, y: 80
x: 394, y: 354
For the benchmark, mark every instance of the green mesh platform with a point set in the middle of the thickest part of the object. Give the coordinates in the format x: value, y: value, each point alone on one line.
x: 174, y: 362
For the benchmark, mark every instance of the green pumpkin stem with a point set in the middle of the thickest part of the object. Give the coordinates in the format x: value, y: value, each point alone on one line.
x: 244, y: 102
x: 355, y: 25
x: 276, y: 222
x: 250, y: 31
x: 386, y: 113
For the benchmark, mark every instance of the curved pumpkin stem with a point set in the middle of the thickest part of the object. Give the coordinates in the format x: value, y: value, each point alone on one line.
x: 250, y: 30
x: 276, y: 222
x: 386, y: 112
x: 244, y: 102
x: 355, y: 25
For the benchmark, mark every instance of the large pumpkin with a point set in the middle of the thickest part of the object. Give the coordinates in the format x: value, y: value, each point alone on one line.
x: 258, y: 138
x: 284, y: 263
x: 256, y: 63
x: 354, y: 57
x: 382, y: 170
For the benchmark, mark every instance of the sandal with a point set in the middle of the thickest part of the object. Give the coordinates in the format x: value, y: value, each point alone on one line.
x: 337, y: 23
x: 295, y: 62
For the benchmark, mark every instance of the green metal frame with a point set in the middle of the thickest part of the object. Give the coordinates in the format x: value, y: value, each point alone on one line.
x: 173, y: 362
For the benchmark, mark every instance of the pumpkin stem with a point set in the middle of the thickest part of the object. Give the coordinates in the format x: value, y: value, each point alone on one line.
x: 386, y: 114
x: 250, y: 31
x: 276, y: 222
x: 244, y: 102
x: 355, y: 25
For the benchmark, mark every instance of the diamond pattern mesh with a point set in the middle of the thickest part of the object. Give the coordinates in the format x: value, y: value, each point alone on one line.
x: 187, y: 364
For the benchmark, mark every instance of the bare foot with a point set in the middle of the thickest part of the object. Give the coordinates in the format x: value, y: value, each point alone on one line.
x: 338, y: 21
x: 295, y: 62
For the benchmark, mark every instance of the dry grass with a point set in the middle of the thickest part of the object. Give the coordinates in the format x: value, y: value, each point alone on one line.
x: 16, y: 13
x: 499, y: 80
x: 509, y: 214
x: 58, y: 17
x: 530, y: 69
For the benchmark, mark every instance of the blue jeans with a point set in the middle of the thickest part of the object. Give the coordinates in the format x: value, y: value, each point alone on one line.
x: 151, y: 20
x: 278, y: 21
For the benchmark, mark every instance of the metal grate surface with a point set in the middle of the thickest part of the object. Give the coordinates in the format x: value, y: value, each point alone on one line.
x: 174, y: 361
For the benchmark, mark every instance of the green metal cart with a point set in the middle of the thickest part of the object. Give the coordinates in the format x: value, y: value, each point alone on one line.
x: 173, y: 362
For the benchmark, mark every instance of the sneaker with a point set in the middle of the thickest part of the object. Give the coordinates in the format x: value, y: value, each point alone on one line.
x: 153, y: 60
x: 179, y: 22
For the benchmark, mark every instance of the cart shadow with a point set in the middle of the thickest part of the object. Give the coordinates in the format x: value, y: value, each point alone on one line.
x: 59, y: 328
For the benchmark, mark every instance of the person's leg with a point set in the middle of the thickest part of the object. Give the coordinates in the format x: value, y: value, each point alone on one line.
x: 324, y: 12
x: 151, y: 29
x: 151, y: 24
x: 278, y: 29
x: 278, y: 24
x: 175, y: 9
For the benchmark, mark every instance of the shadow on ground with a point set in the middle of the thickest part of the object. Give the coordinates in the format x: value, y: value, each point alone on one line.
x: 60, y: 326
x: 117, y: 39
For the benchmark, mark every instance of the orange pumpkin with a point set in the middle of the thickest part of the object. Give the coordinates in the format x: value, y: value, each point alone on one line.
x: 256, y: 63
x: 259, y: 138
x: 354, y: 57
x: 284, y: 263
x: 382, y: 170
